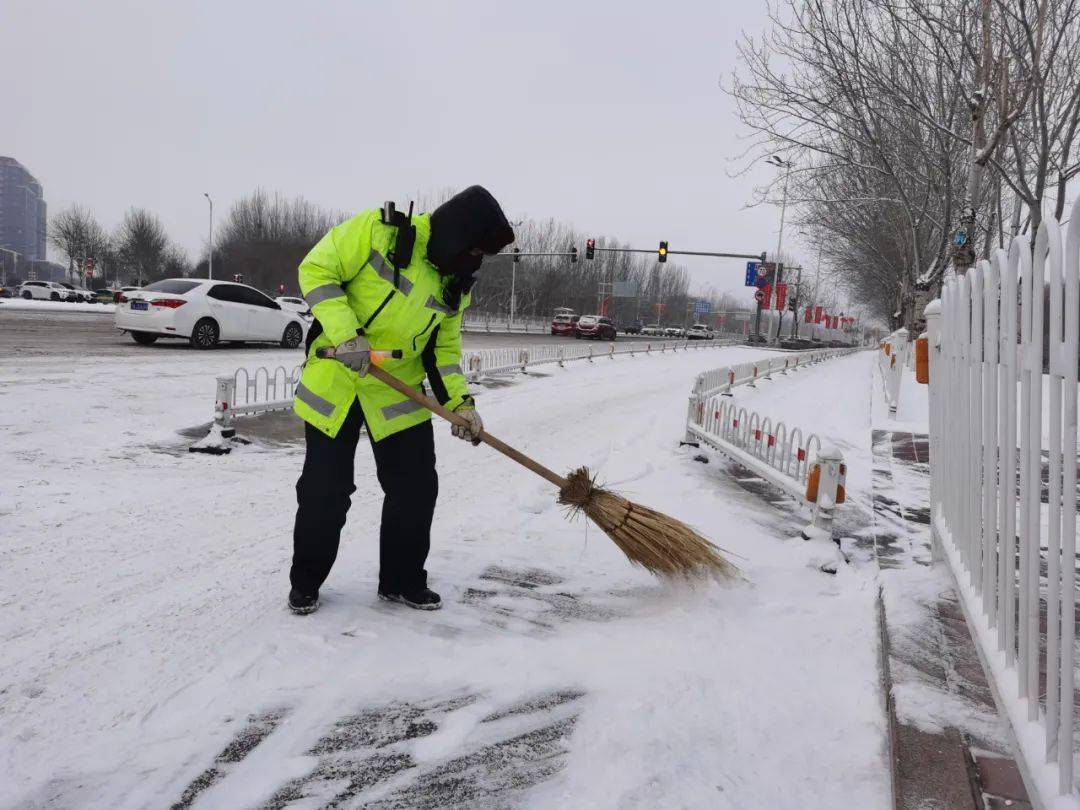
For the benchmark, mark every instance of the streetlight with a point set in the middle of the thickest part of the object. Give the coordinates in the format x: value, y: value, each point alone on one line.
x: 210, y: 261
x: 779, y: 162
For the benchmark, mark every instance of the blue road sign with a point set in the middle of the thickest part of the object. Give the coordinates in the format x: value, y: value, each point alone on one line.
x: 751, y: 274
x: 702, y: 307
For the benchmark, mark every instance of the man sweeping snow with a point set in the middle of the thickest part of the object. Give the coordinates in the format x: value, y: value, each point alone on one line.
x: 385, y: 282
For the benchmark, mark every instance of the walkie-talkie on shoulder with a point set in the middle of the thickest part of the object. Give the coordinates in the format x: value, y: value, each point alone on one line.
x: 401, y: 254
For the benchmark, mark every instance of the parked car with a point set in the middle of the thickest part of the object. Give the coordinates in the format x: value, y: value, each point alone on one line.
x: 674, y: 331
x: 563, y: 324
x: 118, y: 295
x: 207, y: 312
x: 699, y: 331
x: 298, y: 305
x: 42, y: 291
x: 79, y: 294
x: 652, y: 329
x: 595, y: 327
x: 632, y: 328
x: 105, y: 295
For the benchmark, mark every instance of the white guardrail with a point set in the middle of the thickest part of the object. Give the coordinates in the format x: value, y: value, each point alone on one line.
x: 795, y: 462
x: 994, y: 529
x: 264, y: 390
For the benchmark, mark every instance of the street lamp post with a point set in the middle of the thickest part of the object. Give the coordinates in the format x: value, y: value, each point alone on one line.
x: 210, y: 260
x: 779, y: 162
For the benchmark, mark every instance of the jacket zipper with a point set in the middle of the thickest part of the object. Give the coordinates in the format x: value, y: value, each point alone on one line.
x: 378, y: 309
x: 422, y: 331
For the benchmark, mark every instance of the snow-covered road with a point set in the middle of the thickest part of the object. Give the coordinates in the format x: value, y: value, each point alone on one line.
x: 148, y: 657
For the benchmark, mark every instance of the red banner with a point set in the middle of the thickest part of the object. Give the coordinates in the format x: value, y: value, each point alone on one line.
x: 809, y: 315
x: 766, y: 296
x: 781, y: 296
x: 819, y: 313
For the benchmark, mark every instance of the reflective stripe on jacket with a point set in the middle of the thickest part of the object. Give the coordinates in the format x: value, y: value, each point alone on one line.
x: 350, y: 285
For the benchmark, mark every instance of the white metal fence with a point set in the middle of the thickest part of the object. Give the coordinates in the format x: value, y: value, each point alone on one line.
x: 1011, y: 538
x: 502, y: 322
x: 263, y: 390
x: 788, y: 458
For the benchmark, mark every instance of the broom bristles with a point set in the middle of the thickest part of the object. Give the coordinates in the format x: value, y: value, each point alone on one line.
x: 655, y: 541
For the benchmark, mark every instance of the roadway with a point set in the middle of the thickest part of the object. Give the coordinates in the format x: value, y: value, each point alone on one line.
x: 38, y: 333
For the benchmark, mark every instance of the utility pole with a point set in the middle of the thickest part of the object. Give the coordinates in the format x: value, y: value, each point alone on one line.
x: 210, y: 260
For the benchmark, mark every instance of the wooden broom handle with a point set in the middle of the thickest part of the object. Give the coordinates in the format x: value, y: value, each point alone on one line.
x: 456, y: 419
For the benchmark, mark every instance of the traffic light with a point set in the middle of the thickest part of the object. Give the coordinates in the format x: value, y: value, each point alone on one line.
x: 517, y: 258
x: 590, y: 248
x: 662, y: 252
x: 573, y: 254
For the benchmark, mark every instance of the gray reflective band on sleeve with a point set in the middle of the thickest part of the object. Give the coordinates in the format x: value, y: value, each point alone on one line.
x: 386, y: 272
x: 321, y: 406
x: 324, y: 293
x: 433, y: 303
x: 401, y: 409
x: 451, y: 369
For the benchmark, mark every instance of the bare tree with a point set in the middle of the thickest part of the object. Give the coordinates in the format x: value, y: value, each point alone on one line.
x: 142, y: 244
x: 76, y: 234
x: 265, y: 237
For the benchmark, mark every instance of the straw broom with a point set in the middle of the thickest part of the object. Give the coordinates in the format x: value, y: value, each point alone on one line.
x: 663, y: 545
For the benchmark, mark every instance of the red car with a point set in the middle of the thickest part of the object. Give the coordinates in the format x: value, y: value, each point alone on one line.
x: 563, y: 324
x: 596, y: 327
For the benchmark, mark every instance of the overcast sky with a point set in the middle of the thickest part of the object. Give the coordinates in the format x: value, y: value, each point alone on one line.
x: 591, y: 112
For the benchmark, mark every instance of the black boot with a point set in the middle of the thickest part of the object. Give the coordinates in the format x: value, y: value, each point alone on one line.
x: 301, y: 603
x: 421, y: 598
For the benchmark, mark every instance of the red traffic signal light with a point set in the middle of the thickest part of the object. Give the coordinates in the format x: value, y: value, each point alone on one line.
x: 590, y: 248
x: 662, y: 252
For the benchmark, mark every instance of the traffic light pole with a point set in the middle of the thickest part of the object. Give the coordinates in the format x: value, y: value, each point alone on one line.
x: 758, y: 256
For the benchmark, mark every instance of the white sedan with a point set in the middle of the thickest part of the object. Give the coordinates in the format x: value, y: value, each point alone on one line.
x: 207, y: 312
x: 294, y: 305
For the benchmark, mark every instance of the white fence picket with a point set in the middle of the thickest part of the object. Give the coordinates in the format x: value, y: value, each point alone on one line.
x: 993, y: 526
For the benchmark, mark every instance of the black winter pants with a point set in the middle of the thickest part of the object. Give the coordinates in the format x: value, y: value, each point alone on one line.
x: 405, y: 464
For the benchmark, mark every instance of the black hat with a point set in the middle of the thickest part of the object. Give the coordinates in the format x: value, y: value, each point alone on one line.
x: 470, y: 220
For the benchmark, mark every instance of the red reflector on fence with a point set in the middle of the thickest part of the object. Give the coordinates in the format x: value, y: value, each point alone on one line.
x: 801, y: 455
x: 772, y: 441
x: 716, y: 414
x: 757, y: 435
x: 734, y: 422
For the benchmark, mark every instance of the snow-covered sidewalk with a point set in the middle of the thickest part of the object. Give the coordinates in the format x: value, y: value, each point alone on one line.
x: 148, y: 655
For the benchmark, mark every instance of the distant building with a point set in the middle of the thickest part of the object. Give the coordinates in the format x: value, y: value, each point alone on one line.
x: 22, y: 211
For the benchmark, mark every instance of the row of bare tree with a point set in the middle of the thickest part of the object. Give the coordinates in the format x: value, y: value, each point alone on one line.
x: 922, y: 133
x: 138, y: 250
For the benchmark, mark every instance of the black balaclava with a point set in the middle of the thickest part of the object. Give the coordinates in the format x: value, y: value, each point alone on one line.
x: 470, y: 220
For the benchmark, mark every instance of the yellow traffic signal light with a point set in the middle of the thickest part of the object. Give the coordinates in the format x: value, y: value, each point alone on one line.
x: 662, y: 252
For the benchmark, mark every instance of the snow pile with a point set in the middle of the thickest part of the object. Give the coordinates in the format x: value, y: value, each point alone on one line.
x: 57, y: 307
x: 148, y: 654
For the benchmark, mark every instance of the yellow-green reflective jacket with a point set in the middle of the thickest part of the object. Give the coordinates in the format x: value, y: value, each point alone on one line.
x: 349, y: 284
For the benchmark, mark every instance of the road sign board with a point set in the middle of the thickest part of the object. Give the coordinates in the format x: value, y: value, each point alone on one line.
x: 751, y: 273
x: 702, y: 307
x: 759, y: 296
